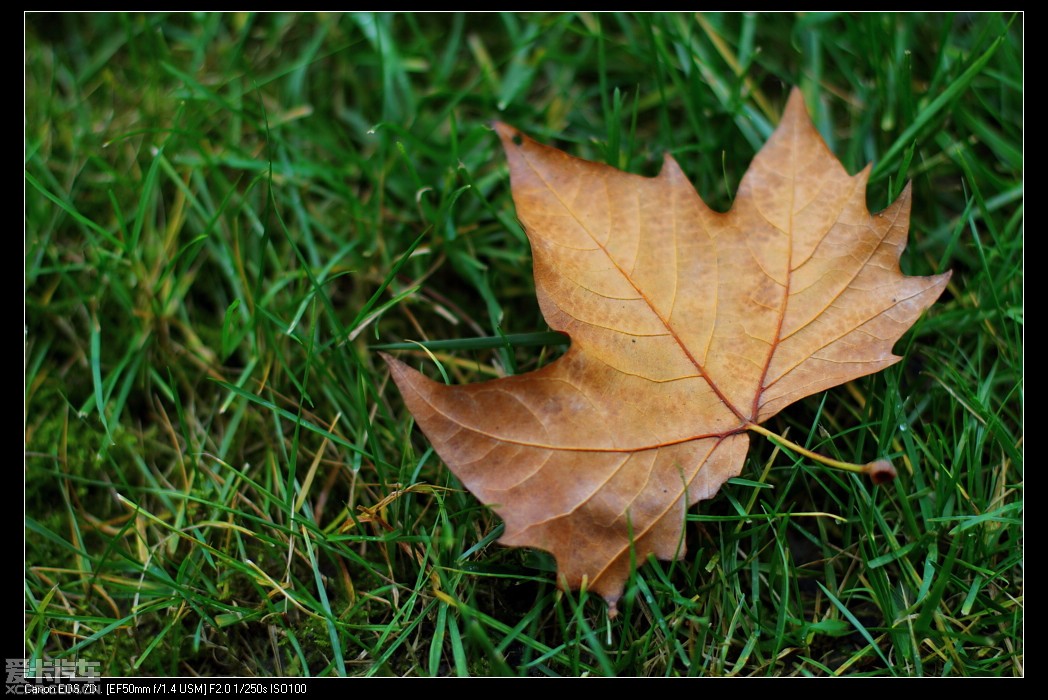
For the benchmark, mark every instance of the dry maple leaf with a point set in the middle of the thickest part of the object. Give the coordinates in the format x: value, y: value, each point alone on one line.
x: 688, y: 328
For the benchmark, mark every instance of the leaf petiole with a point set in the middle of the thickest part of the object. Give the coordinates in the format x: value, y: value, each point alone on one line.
x: 880, y: 471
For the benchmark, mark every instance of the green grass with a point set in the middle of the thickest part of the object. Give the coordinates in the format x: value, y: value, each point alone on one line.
x: 227, y: 214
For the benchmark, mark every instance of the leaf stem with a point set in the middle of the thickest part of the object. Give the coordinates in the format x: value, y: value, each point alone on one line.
x: 879, y: 471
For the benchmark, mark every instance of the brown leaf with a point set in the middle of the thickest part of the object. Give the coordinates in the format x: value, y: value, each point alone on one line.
x: 688, y: 327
